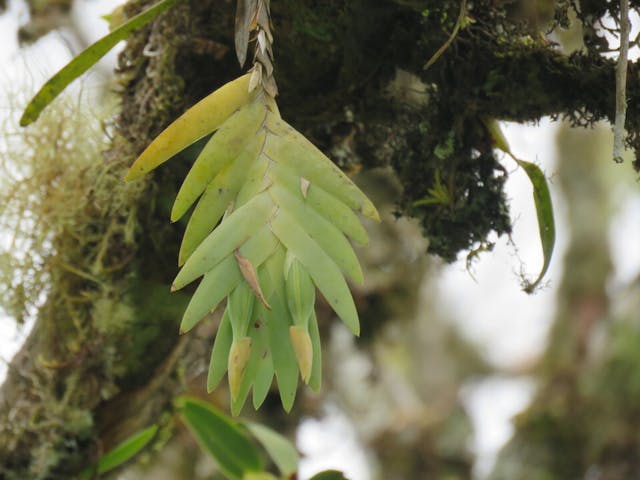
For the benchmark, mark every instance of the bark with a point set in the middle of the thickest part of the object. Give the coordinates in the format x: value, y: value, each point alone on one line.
x: 352, y: 79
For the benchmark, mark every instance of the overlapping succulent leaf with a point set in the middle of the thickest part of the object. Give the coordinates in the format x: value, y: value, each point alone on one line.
x: 270, y: 224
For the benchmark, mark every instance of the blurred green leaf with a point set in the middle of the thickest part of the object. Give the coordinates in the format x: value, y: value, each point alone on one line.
x: 85, y: 60
x: 259, y: 476
x: 121, y: 453
x: 546, y: 223
x: 329, y: 475
x: 279, y: 448
x: 222, y: 438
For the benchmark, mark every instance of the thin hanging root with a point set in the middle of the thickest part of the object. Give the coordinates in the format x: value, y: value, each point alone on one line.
x: 621, y: 83
x: 461, y: 19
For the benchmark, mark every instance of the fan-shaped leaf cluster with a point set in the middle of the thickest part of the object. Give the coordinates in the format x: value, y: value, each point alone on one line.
x: 270, y: 224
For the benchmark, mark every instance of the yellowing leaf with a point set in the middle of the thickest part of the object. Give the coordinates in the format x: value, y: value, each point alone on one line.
x: 238, y: 360
x: 236, y: 136
x: 203, y: 118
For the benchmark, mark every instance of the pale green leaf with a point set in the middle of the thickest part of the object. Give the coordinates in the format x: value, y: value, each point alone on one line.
x: 325, y: 204
x: 323, y: 231
x: 323, y: 270
x: 278, y: 323
x: 236, y: 137
x: 220, y: 353
x: 232, y: 232
x: 279, y: 448
x: 329, y: 475
x: 223, y: 277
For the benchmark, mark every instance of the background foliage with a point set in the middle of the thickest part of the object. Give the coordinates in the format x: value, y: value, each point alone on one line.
x: 98, y: 269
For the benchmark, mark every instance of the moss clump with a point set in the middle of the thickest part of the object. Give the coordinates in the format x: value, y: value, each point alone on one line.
x: 452, y: 182
x: 50, y: 173
x: 73, y: 227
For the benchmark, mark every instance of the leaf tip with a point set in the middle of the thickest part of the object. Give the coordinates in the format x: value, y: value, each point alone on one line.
x: 355, y: 329
x: 175, y: 214
x: 133, y: 174
x: 372, y: 213
x: 212, y: 381
x: 26, y: 119
x: 185, y: 328
x: 287, y: 405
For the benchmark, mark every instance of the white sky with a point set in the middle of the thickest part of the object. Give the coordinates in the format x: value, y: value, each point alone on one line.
x: 492, y: 310
x: 509, y: 326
